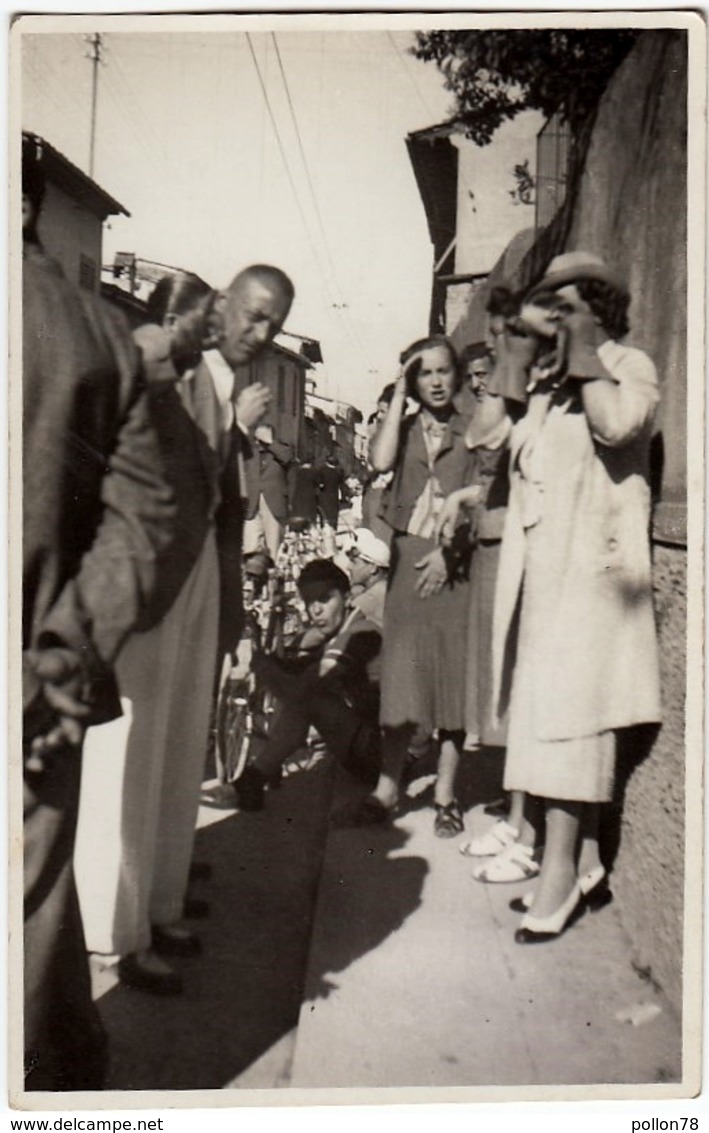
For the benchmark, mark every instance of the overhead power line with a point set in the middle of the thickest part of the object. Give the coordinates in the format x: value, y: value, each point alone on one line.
x: 409, y: 75
x: 340, y: 305
x: 284, y: 156
x: 302, y: 155
x: 336, y: 305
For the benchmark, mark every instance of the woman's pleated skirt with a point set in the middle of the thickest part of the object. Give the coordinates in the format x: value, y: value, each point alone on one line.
x: 424, y: 645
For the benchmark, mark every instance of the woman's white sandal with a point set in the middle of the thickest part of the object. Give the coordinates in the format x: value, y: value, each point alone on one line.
x: 488, y: 845
x: 515, y: 863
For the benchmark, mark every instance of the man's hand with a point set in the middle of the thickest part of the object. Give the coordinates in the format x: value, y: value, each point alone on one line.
x: 264, y: 434
x: 432, y: 573
x: 62, y: 683
x: 252, y: 405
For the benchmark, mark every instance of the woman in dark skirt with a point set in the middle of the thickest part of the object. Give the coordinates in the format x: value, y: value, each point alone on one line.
x: 426, y: 613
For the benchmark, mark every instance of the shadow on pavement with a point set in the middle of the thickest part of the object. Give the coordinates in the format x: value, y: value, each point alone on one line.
x: 365, y: 896
x: 244, y: 992
x: 368, y: 887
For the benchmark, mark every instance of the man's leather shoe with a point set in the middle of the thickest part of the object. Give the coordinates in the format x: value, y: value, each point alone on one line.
x: 171, y: 940
x: 134, y: 973
x: 250, y: 789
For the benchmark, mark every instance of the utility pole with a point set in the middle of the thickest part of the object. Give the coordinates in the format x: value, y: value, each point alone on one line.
x: 95, y: 43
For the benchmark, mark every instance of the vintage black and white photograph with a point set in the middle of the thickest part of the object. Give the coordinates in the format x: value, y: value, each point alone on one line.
x: 358, y: 375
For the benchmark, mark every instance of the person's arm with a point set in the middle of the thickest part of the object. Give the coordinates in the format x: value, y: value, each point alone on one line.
x: 97, y: 609
x: 384, y: 448
x: 490, y: 425
x: 69, y: 669
x: 282, y: 452
x: 351, y: 653
x: 617, y: 407
x: 618, y: 412
x: 447, y: 521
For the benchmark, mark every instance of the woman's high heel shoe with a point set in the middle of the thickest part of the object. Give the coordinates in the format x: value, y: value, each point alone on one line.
x: 535, y: 930
x: 594, y: 889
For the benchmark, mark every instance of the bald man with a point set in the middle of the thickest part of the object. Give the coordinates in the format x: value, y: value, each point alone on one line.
x: 140, y: 792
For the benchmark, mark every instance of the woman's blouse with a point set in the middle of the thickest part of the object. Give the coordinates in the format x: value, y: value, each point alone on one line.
x: 428, y: 505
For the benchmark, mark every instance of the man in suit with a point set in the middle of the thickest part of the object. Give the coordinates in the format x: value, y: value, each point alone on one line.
x: 96, y: 513
x: 303, y: 488
x: 332, y: 490
x: 266, y: 474
x: 133, y: 897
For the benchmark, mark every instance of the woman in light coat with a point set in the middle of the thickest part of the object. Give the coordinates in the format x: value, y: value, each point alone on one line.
x: 575, y: 564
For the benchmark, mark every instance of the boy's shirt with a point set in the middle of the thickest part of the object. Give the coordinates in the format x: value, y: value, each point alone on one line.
x: 353, y: 650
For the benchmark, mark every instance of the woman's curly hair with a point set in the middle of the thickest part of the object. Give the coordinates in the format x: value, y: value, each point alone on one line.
x: 608, y: 303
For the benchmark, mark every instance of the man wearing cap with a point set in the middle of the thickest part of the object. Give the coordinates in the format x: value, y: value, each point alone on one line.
x: 581, y: 654
x: 330, y: 682
x: 369, y: 571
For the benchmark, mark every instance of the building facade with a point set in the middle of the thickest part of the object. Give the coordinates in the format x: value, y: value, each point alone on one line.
x: 72, y: 216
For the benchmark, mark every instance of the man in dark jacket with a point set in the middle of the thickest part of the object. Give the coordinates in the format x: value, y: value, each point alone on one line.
x: 332, y: 490
x: 266, y: 476
x: 303, y: 488
x: 96, y: 512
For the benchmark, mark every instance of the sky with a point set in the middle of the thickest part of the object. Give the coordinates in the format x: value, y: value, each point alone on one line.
x: 317, y: 181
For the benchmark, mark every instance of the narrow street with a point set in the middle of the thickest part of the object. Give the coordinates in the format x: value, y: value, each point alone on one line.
x: 372, y: 959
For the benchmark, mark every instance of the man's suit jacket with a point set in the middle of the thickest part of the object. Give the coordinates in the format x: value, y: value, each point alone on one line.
x: 266, y: 473
x: 303, y: 492
x: 210, y: 472
x: 332, y: 480
x: 96, y: 508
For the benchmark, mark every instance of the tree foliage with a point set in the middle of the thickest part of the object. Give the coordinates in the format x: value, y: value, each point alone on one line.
x: 494, y: 75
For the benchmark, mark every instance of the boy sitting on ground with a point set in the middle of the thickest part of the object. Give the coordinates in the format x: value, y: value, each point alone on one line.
x: 329, y: 681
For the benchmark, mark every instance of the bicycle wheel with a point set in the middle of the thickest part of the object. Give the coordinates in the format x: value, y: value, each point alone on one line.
x: 234, y: 728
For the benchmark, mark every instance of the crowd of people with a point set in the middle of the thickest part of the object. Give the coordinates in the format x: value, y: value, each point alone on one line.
x: 490, y: 589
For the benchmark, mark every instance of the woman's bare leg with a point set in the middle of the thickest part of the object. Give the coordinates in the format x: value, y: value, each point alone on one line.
x: 558, y: 873
x: 448, y: 761
x: 589, y: 857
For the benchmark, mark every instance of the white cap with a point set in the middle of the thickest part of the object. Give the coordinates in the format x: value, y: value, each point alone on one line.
x: 371, y: 549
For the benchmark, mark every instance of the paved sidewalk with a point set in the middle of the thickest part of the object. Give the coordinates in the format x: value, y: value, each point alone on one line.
x: 242, y: 996
x: 415, y: 979
x: 407, y: 976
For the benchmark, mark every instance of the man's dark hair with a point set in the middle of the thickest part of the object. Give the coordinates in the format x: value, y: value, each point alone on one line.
x: 325, y: 573
x: 608, y: 303
x: 473, y: 352
x: 176, y: 295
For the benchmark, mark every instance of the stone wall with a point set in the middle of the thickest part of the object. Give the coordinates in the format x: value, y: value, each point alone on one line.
x: 631, y: 209
x: 648, y: 876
